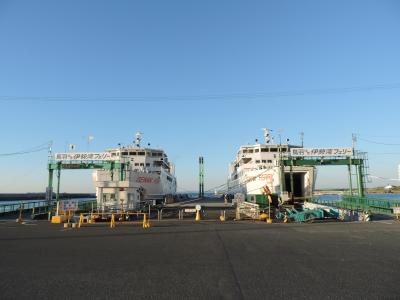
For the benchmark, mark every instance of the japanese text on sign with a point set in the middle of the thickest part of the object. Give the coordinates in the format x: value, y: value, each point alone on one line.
x: 321, y: 152
x: 84, y: 156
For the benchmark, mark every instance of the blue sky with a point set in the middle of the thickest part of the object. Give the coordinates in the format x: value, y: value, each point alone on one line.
x: 174, y: 56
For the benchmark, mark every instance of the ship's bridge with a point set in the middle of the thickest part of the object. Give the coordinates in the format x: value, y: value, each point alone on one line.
x: 151, y: 160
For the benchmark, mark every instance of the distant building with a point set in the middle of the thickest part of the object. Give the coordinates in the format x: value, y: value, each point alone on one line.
x: 388, y: 188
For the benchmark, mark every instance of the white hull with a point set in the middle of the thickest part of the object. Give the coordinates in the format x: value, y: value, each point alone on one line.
x: 258, y: 165
x: 252, y: 182
x: 147, y: 175
x: 154, y: 184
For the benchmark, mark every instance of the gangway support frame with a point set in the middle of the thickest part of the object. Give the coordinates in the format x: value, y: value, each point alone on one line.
x: 80, y: 165
x: 322, y: 161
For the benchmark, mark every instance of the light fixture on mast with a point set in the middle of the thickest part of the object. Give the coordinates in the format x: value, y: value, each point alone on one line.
x: 138, y: 139
x: 267, y: 135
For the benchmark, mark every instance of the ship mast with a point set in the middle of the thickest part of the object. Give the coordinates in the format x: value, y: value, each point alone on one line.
x: 267, y: 135
x: 138, y: 139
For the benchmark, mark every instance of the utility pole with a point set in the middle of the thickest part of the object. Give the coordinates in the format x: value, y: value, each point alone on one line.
x: 201, y: 177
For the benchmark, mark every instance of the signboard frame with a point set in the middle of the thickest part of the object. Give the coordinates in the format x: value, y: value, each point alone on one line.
x: 85, y: 156
x: 324, y: 152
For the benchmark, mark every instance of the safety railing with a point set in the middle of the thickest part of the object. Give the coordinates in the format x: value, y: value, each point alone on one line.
x: 383, y: 206
x: 41, y: 207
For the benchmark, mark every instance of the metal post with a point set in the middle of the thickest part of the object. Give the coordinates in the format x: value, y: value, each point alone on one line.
x: 121, y: 171
x: 58, y: 181
x: 360, y: 181
x: 201, y: 177
x: 291, y: 183
x: 350, y: 180
x: 112, y: 171
x: 282, y: 168
x: 50, y: 187
x: 269, y: 209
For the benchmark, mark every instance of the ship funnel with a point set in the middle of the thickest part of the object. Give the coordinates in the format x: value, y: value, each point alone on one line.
x: 138, y: 139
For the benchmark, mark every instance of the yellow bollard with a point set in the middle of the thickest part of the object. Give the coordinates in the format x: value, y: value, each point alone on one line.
x: 80, y: 221
x: 112, y: 223
x: 269, y: 221
x: 285, y: 219
x: 198, y: 218
x: 222, y: 218
x: 146, y: 223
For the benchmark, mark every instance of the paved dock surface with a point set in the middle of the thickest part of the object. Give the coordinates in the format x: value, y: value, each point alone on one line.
x: 204, y: 260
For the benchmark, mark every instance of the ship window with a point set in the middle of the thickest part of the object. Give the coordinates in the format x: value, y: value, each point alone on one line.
x: 147, y: 164
x: 124, y: 153
x: 244, y: 151
x: 257, y: 161
x: 113, y: 154
x: 142, y: 164
x: 246, y: 160
x: 264, y: 149
x: 141, y: 153
x: 250, y: 151
x: 169, y: 178
x: 136, y: 164
x: 257, y: 150
x: 273, y: 150
x: 269, y: 161
x: 284, y: 149
x: 264, y: 161
x: 132, y: 153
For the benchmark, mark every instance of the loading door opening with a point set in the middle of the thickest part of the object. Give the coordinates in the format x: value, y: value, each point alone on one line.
x: 298, y: 184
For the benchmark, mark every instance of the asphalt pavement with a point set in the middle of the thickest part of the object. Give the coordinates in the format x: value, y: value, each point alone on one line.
x: 200, y: 260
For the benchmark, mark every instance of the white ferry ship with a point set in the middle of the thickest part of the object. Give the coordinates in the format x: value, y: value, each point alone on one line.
x: 258, y: 165
x: 149, y: 177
